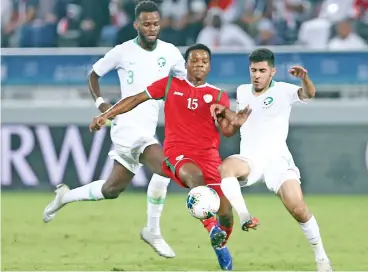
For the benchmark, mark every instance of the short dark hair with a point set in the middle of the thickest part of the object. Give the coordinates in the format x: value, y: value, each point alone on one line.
x: 198, y: 46
x: 145, y: 6
x: 262, y: 54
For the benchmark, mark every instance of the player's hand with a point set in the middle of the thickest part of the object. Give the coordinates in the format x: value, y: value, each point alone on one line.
x: 217, y: 110
x: 104, y: 107
x: 298, y: 71
x: 97, y: 123
x: 241, y: 116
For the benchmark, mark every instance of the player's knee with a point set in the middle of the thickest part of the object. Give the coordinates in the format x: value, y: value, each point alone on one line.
x: 195, y: 179
x: 300, y: 212
x: 226, y: 170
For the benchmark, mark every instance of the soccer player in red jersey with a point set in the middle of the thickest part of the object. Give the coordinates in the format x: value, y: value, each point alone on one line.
x: 192, y: 138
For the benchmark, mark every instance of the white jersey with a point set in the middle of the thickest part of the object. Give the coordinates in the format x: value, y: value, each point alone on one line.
x: 264, y: 134
x: 138, y: 68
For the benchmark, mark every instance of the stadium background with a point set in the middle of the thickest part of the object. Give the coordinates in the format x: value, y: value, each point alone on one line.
x: 48, y: 47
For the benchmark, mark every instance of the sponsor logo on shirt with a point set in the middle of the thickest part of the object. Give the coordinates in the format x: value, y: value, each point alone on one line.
x: 180, y: 157
x: 178, y: 93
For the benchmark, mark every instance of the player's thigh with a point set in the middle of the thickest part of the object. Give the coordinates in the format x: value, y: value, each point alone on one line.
x: 153, y: 157
x: 235, y: 166
x: 278, y: 170
x: 190, y: 173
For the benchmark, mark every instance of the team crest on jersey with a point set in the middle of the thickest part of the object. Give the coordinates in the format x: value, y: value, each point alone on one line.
x: 207, y: 98
x: 161, y: 62
x: 267, y: 102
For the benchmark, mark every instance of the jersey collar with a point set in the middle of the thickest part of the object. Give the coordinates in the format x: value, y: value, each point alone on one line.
x: 200, y: 86
x: 137, y: 43
x: 272, y: 83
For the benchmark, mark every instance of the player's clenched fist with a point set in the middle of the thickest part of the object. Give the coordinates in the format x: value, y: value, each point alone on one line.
x: 298, y: 71
x: 97, y: 123
x: 217, y: 110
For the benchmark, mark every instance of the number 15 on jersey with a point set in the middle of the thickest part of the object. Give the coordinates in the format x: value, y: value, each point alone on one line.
x: 192, y: 103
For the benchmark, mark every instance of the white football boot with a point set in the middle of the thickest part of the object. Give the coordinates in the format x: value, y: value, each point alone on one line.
x: 51, y: 209
x: 324, y: 265
x: 157, y: 243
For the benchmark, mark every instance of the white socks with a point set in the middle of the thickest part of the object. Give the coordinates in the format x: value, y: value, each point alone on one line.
x: 231, y: 189
x: 156, y: 194
x: 311, y: 232
x: 88, y: 192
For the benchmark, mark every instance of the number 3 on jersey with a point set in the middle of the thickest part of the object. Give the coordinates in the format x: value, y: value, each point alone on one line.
x: 130, y: 77
x: 192, y: 103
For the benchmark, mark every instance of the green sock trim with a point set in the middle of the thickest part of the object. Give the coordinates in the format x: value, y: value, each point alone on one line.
x: 158, y: 200
x: 91, y: 196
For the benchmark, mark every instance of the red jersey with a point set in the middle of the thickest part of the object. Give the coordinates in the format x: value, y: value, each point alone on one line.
x: 188, y: 121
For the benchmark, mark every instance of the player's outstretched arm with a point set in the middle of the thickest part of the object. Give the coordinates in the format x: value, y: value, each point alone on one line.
x: 308, y: 90
x: 124, y: 105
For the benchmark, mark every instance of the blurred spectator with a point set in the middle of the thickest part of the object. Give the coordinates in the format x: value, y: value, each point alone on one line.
x: 7, y: 21
x: 95, y: 15
x: 217, y: 33
x: 267, y: 34
x: 175, y: 19
x: 252, y: 12
x: 38, y: 24
x: 288, y: 16
x: 197, y: 14
x: 346, y: 39
x: 125, y: 21
x: 234, y: 23
x: 316, y: 32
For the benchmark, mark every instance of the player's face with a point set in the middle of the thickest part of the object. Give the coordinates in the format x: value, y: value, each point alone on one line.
x: 261, y: 74
x: 198, y: 64
x: 148, y: 27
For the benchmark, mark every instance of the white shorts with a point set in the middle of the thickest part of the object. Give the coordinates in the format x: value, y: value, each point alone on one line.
x: 273, y: 171
x: 127, y: 153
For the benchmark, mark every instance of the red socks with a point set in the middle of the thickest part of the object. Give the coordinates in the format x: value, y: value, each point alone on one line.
x: 228, y: 231
x: 209, y: 223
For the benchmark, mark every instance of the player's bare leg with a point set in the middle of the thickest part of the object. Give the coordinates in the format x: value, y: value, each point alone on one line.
x: 230, y: 170
x: 111, y: 188
x: 153, y: 158
x: 191, y: 175
x: 291, y: 196
x: 225, y: 217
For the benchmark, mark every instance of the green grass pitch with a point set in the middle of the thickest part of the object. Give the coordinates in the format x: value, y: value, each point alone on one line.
x: 104, y: 235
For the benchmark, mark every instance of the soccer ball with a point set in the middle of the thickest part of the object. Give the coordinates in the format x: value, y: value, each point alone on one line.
x: 203, y: 202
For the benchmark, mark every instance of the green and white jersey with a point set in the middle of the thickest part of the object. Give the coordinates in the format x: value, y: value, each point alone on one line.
x: 138, y: 68
x: 264, y: 133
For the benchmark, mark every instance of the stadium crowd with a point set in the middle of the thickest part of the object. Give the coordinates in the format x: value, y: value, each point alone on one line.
x: 314, y: 24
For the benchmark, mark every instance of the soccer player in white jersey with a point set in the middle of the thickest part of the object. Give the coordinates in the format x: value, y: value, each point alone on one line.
x: 264, y: 154
x: 139, y: 63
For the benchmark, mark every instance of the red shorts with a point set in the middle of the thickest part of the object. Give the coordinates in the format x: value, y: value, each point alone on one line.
x: 208, y: 163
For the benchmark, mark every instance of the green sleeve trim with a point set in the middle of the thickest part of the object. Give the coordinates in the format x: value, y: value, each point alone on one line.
x: 168, y: 85
x: 148, y: 94
x: 150, y: 97
x: 168, y: 164
x: 219, y: 96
